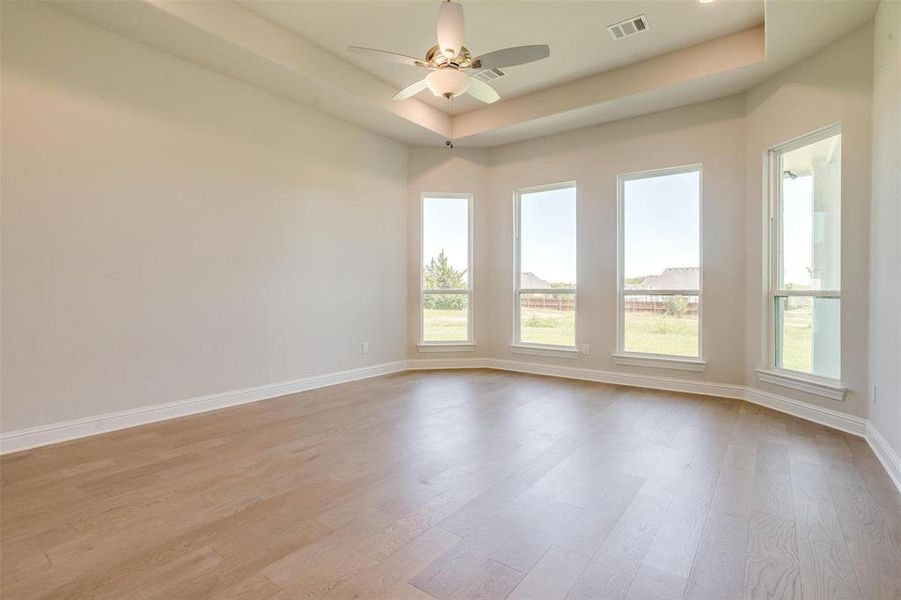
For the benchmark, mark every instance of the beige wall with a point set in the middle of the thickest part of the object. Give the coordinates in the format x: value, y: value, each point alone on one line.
x: 168, y: 232
x: 885, y: 217
x: 834, y: 85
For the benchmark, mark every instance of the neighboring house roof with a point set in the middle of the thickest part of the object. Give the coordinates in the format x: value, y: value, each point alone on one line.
x: 530, y: 281
x: 672, y: 278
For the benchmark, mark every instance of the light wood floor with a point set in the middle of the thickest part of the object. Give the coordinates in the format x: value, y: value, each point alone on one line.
x: 464, y: 484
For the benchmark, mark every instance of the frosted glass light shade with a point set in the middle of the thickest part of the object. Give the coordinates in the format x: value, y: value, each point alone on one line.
x: 447, y: 81
x: 450, y: 29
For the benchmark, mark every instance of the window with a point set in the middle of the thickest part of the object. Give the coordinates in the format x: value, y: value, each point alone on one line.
x: 446, y: 281
x: 805, y: 255
x: 545, y: 272
x: 660, y: 263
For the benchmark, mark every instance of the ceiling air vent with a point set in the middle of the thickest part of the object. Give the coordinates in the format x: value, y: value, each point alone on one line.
x: 628, y: 27
x: 489, y: 74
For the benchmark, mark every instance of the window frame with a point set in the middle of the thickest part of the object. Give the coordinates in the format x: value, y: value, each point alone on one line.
x: 669, y: 361
x: 818, y: 384
x: 449, y: 345
x: 517, y: 344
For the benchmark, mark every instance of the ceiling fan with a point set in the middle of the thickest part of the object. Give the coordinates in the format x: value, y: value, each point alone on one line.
x: 450, y: 61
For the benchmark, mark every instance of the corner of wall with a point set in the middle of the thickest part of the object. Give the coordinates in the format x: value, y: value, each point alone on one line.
x: 884, y: 376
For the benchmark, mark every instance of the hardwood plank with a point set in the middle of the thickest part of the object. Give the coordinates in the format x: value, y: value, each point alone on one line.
x: 382, y: 579
x: 772, y: 569
x: 870, y: 544
x: 719, y: 567
x: 734, y: 495
x: 405, y: 591
x: 254, y: 587
x: 610, y: 571
x: 773, y: 483
x: 492, y: 580
x: 552, y: 577
x: 675, y: 545
x: 826, y: 567
x: 654, y: 584
x: 455, y: 566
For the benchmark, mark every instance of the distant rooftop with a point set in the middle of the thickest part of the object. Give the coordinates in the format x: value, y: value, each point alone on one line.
x: 531, y: 281
x: 672, y: 278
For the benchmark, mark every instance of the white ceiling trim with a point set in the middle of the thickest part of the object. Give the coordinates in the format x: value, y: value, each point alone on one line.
x: 708, y: 59
x: 227, y: 38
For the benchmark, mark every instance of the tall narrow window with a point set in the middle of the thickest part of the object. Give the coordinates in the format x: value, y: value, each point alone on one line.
x: 660, y: 263
x: 545, y: 274
x: 446, y: 269
x: 805, y: 250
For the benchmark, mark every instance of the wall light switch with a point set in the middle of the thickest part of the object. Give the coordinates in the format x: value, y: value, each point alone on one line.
x: 586, y: 349
x: 364, y: 348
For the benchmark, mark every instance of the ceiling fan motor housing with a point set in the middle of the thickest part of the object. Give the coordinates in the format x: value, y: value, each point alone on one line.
x: 435, y: 59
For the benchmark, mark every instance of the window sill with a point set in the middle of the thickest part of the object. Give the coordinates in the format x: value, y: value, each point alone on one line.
x: 451, y: 347
x: 660, y: 362
x: 556, y: 351
x: 825, y: 388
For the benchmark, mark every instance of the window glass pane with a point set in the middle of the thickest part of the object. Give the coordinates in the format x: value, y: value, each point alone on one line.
x: 445, y: 318
x: 548, y: 319
x: 808, y: 336
x: 661, y: 231
x: 810, y: 213
x: 548, y: 239
x: 661, y: 251
x: 445, y: 243
x: 661, y: 325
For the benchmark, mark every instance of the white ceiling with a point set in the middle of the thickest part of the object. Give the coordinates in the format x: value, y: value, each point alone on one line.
x: 576, y: 32
x: 297, y: 49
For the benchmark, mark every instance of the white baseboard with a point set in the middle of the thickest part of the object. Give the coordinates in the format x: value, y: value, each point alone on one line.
x: 656, y: 382
x: 809, y: 412
x: 23, y: 439
x: 426, y: 364
x: 823, y: 416
x: 885, y: 453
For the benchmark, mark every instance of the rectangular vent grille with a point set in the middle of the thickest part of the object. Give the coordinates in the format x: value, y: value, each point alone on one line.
x: 489, y: 74
x: 628, y: 27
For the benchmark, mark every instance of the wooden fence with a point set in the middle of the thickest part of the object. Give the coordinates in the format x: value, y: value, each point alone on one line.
x: 563, y: 303
x: 649, y: 306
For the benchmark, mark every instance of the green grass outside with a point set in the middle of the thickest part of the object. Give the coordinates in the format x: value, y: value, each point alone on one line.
x: 645, y: 332
x: 797, y: 333
x: 656, y: 333
x: 548, y: 326
x: 444, y: 325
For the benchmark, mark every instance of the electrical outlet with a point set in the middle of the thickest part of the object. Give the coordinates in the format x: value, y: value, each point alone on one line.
x: 364, y: 348
x: 586, y: 349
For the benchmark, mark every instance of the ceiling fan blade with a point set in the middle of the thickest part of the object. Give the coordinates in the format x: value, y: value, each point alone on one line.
x: 482, y: 91
x: 450, y: 29
x: 389, y: 56
x: 411, y: 90
x: 510, y: 57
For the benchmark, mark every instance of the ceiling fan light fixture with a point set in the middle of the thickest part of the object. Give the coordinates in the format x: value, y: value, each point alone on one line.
x: 450, y: 28
x: 447, y: 82
x: 450, y: 62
